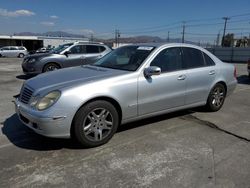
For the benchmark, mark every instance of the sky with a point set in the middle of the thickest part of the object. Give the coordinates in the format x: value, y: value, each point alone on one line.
x: 203, y: 19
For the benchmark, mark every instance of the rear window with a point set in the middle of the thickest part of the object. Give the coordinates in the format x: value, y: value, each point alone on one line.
x: 92, y: 49
x: 102, y: 48
x: 21, y: 48
x: 192, y: 58
x: 208, y: 60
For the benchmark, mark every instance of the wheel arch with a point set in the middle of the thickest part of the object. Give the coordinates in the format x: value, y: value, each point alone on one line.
x: 114, y: 102
x: 51, y: 62
x: 20, y: 54
x: 224, y: 84
x: 218, y: 82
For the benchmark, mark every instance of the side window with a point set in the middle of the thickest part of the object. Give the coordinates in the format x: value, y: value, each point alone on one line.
x: 208, y: 60
x: 5, y: 48
x: 13, y: 48
x: 21, y: 48
x: 101, y: 49
x: 79, y: 49
x: 92, y: 49
x: 193, y: 58
x: 168, y: 60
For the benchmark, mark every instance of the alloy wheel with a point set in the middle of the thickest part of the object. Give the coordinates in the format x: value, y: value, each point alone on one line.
x: 98, y: 124
x: 218, y: 96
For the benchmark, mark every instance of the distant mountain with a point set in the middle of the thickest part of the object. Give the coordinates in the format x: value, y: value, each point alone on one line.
x: 143, y: 39
x: 51, y: 34
x: 135, y: 39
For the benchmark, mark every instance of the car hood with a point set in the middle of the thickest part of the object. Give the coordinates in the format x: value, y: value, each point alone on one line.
x: 38, y: 55
x: 69, y: 77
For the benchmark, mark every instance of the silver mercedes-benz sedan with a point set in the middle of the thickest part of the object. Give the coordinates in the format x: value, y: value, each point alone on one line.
x: 128, y: 84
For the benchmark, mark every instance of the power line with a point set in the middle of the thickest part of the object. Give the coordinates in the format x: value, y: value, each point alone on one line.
x: 202, y: 34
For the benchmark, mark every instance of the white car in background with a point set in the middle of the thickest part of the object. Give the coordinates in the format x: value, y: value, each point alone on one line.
x: 13, y: 51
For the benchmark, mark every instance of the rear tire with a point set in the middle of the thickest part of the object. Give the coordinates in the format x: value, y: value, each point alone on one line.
x: 51, y: 67
x: 21, y: 55
x: 216, y: 98
x: 95, y: 123
x: 1, y: 55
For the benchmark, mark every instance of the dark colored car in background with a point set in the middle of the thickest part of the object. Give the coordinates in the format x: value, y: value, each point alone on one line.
x: 67, y: 55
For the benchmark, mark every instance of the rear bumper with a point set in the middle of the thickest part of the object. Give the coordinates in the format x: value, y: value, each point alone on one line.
x: 55, y: 126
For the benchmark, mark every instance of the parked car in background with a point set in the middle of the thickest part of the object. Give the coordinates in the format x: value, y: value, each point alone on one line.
x: 132, y: 82
x: 67, y: 55
x: 13, y: 51
x: 248, y: 68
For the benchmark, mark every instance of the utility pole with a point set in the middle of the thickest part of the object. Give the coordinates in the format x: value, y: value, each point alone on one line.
x: 168, y: 37
x: 92, y: 37
x: 183, y: 32
x: 224, y: 31
x: 218, y: 39
x: 117, y: 36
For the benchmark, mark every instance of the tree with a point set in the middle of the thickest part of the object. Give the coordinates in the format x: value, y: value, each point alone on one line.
x: 228, y: 40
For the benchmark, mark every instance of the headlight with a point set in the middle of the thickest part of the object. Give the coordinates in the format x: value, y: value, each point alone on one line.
x: 32, y: 60
x: 42, y: 103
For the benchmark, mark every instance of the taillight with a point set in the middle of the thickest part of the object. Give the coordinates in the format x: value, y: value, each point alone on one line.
x: 235, y: 72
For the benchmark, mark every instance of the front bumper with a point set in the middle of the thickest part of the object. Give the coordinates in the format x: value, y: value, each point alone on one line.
x: 30, y: 69
x: 50, y: 126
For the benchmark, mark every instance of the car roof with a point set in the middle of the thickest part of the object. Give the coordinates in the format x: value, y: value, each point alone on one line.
x: 157, y: 45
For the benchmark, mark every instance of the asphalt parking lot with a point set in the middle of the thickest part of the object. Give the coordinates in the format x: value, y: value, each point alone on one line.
x: 191, y: 148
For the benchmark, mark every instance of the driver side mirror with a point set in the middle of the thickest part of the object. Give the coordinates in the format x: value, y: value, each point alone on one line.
x: 67, y: 53
x: 153, y: 70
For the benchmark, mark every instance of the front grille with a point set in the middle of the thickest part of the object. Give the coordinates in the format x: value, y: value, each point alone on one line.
x: 25, y: 95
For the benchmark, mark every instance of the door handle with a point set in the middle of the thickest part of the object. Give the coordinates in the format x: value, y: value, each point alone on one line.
x: 182, y: 77
x: 212, y: 72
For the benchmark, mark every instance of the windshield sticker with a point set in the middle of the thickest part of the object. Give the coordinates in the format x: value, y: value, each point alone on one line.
x: 145, y: 48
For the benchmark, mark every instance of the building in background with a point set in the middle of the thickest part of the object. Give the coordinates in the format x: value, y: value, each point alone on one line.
x: 35, y: 42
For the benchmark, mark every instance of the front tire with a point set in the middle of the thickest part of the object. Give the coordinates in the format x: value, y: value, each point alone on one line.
x: 216, y: 98
x: 50, y: 67
x: 95, y: 123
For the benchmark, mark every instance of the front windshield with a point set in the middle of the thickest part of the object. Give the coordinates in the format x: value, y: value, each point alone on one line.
x: 127, y: 58
x: 60, y: 48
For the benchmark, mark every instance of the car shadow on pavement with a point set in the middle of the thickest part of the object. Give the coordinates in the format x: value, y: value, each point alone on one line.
x: 243, y: 79
x: 24, y: 77
x: 22, y: 137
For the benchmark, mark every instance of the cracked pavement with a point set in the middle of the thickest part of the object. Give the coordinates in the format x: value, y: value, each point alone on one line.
x: 190, y: 148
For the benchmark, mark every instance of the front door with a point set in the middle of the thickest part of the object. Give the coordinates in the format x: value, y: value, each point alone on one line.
x: 76, y: 56
x: 164, y: 91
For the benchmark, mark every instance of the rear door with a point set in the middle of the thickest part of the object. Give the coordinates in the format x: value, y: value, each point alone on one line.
x: 200, y: 75
x: 93, y: 53
x: 13, y: 51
